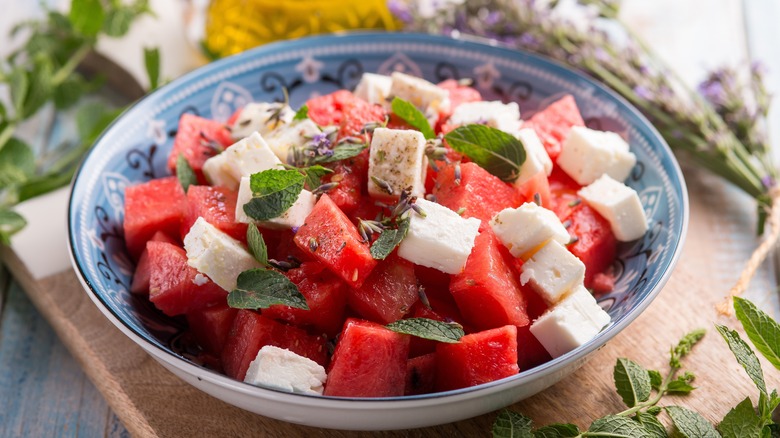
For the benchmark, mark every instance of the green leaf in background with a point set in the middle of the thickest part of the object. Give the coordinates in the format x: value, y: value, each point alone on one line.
x: 557, y: 431
x: 685, y: 346
x: 87, y: 16
x: 690, y: 424
x: 341, y: 152
x: 618, y: 427
x: 651, y: 424
x: 70, y: 91
x: 678, y: 386
x: 257, y: 244
x: 185, y: 173
x: 120, y: 16
x: 761, y: 329
x: 302, y: 113
x: 41, y: 83
x: 17, y: 163
x: 152, y: 64
x: 414, y: 117
x: 744, y: 355
x: 274, y: 192
x: 388, y: 240
x: 510, y: 424
x: 448, y: 332
x: 313, y: 175
x: 741, y: 421
x: 262, y: 288
x: 494, y: 150
x: 632, y: 382
x: 10, y: 223
x: 18, y: 85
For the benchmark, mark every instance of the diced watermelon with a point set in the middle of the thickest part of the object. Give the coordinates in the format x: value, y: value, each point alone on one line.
x: 530, y: 351
x: 217, y: 205
x: 156, y: 205
x: 330, y: 237
x: 198, y: 139
x: 477, y: 358
x: 553, y: 123
x: 352, y: 178
x: 388, y: 293
x: 343, y: 109
x: 142, y: 274
x: 487, y: 293
x: 251, y: 332
x: 281, y: 246
x: 420, y: 346
x: 538, y: 184
x: 210, y: 326
x: 369, y: 361
x: 174, y: 286
x: 480, y: 193
x: 325, y: 295
x: 420, y: 374
x: 459, y: 94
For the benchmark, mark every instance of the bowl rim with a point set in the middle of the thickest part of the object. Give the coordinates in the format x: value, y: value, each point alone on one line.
x: 464, y: 42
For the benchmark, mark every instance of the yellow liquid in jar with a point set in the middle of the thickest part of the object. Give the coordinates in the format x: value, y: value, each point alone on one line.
x: 233, y: 26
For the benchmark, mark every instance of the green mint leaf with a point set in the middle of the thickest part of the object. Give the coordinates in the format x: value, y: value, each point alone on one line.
x: 87, y: 16
x: 17, y: 163
x: 273, y: 192
x: 761, y: 329
x: 261, y: 289
x: 414, y: 117
x: 510, y: 424
x: 18, y: 85
x: 651, y: 424
x: 557, y: 431
x: 389, y: 239
x: 745, y: 356
x: 655, y: 379
x: 690, y: 424
x: 185, y: 173
x: 654, y: 410
x: 11, y: 223
x: 341, y: 152
x: 302, y: 113
x: 496, y: 151
x: 152, y: 65
x: 120, y: 16
x: 449, y: 332
x: 771, y: 431
x: 41, y: 84
x: 70, y: 91
x: 257, y: 244
x: 679, y: 386
x: 618, y: 427
x: 684, y: 347
x: 632, y: 382
x: 741, y: 421
x: 314, y: 174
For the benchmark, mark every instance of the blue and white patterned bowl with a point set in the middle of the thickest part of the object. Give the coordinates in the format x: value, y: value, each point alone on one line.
x: 135, y: 147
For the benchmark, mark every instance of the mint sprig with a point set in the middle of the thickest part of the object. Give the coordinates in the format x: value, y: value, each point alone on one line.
x: 413, y: 116
x: 302, y: 113
x: 494, y: 150
x: 448, y: 332
x: 763, y: 331
x: 263, y: 288
x: 274, y: 191
x: 257, y: 246
x: 184, y: 173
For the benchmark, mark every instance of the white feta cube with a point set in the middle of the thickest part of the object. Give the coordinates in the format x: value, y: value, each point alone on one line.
x: 374, y: 88
x: 496, y: 114
x: 571, y: 323
x: 397, y: 157
x: 425, y: 95
x: 250, y: 155
x: 294, y: 134
x: 536, y: 157
x: 586, y: 154
x: 293, y: 217
x: 553, y: 272
x: 258, y: 117
x: 216, y: 255
x: 619, y: 204
x: 218, y: 172
x: 282, y: 369
x: 523, y: 230
x: 441, y: 239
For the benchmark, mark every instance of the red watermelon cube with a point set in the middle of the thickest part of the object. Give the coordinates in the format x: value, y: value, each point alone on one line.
x: 143, y: 273
x: 342, y: 108
x: 217, y: 205
x: 420, y: 374
x: 389, y: 292
x: 156, y: 205
x: 553, y: 123
x: 198, y: 139
x: 211, y: 325
x: 352, y: 178
x: 480, y: 193
x: 530, y: 352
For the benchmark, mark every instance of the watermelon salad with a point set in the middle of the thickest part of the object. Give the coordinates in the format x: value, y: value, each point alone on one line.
x: 401, y: 239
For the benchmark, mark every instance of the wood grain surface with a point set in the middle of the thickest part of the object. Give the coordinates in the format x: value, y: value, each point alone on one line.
x: 151, y: 401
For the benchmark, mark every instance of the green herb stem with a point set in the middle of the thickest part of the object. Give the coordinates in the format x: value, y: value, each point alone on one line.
x: 66, y: 70
x: 7, y: 133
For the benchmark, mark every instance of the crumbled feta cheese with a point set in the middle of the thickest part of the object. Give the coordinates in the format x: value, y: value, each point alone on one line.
x: 425, y: 95
x: 441, y: 240
x: 250, y: 155
x: 200, y: 279
x: 496, y: 114
x: 258, y: 117
x: 587, y: 154
x: 217, y: 255
x: 282, y: 369
x: 293, y: 217
x: 571, y: 323
x: 294, y: 134
x: 553, y: 272
x: 619, y: 205
x: 536, y: 157
x: 397, y: 157
x: 374, y: 88
x: 524, y: 229
x: 219, y: 173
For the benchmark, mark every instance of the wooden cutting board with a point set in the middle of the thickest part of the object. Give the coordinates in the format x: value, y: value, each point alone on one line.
x: 151, y: 401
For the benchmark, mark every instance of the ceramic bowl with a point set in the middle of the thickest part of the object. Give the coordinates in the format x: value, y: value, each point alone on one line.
x: 135, y: 147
